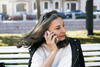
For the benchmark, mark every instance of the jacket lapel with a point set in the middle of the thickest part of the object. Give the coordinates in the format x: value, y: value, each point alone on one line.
x: 75, y: 53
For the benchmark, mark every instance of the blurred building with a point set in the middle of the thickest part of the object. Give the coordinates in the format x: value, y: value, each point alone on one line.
x: 59, y: 5
x: 12, y: 7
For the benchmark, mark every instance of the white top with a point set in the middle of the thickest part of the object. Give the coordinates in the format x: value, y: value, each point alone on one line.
x: 63, y: 57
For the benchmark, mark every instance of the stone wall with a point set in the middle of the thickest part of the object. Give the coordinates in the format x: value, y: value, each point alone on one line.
x: 26, y: 26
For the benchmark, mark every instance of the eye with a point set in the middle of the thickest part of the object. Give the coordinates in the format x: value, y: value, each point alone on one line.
x: 57, y: 28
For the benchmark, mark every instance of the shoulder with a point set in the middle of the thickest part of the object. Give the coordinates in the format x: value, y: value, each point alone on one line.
x: 39, y: 51
x: 73, y: 40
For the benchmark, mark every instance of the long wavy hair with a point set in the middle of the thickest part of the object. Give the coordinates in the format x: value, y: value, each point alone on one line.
x: 36, y: 35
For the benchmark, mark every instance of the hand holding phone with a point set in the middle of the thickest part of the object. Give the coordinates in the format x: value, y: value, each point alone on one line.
x: 51, y: 40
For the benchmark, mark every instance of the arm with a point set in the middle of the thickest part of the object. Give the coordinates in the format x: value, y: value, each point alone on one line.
x: 51, y: 45
x: 49, y: 59
x: 38, y: 60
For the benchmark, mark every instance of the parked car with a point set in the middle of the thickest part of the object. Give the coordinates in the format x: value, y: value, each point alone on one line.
x: 62, y: 14
x: 96, y: 12
x: 4, y: 16
x: 79, y: 14
x: 16, y: 17
x: 30, y: 17
x: 68, y: 15
x: 20, y: 17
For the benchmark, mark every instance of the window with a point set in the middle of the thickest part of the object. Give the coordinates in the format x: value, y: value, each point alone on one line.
x: 46, y: 5
x: 56, y: 5
x: 73, y: 6
x: 67, y: 5
x: 21, y: 7
x: 4, y: 8
x: 34, y: 6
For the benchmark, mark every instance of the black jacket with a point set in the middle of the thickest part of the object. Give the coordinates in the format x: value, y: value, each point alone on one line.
x: 77, y: 56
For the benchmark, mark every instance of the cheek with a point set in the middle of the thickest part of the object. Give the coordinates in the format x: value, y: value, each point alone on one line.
x: 56, y: 33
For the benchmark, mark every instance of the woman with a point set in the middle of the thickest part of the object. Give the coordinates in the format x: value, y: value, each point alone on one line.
x: 50, y: 47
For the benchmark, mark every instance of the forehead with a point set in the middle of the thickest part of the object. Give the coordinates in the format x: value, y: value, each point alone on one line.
x: 57, y: 21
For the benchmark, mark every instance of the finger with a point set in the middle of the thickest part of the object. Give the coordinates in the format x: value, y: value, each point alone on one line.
x: 47, y: 35
x: 48, y: 32
x: 54, y: 37
x: 50, y: 36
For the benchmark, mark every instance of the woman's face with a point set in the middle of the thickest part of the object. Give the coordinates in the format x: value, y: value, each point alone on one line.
x: 57, y: 27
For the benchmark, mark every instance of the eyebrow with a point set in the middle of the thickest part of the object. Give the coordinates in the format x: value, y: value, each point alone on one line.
x: 60, y: 25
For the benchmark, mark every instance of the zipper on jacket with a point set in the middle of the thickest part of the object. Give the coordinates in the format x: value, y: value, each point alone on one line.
x: 76, y: 57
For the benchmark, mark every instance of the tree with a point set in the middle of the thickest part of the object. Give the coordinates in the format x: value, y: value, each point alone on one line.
x: 38, y: 9
x: 89, y: 17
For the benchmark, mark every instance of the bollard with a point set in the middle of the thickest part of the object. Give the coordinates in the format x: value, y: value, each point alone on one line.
x: 73, y: 16
x: 97, y: 16
x: 24, y: 17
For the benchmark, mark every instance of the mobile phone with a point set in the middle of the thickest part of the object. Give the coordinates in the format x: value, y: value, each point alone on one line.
x: 56, y: 39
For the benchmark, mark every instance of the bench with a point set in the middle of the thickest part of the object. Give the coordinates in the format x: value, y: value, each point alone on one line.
x: 14, y: 57
x: 91, y: 54
x: 19, y: 57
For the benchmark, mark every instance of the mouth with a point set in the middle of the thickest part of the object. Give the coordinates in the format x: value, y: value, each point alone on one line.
x: 62, y: 36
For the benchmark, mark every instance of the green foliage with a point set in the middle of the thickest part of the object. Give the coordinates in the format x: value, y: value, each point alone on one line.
x: 8, y: 40
x: 82, y: 35
x: 11, y: 39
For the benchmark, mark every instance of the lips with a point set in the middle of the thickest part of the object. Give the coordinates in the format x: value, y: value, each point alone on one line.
x: 62, y: 36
